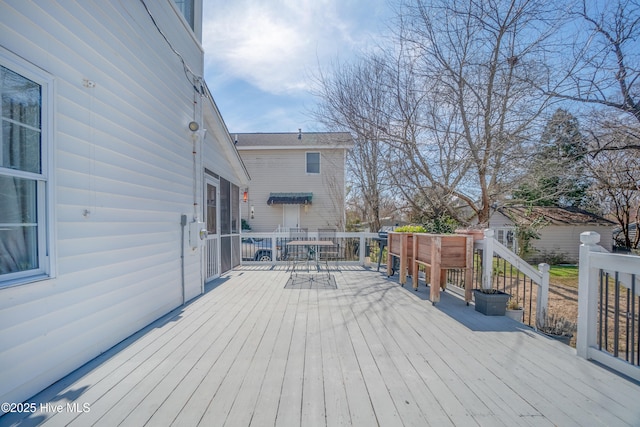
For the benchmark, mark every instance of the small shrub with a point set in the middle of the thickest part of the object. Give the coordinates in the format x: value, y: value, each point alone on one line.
x: 512, y: 304
x: 441, y: 225
x: 558, y: 325
x: 411, y: 229
x: 554, y: 258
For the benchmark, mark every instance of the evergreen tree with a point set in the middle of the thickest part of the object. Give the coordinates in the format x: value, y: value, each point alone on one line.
x: 556, y: 175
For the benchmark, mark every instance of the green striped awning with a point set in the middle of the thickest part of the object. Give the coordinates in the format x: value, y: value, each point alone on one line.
x: 290, y: 198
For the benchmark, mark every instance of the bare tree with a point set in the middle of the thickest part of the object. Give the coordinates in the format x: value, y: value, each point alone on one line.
x: 617, y: 187
x: 600, y: 61
x: 354, y: 99
x: 464, y: 112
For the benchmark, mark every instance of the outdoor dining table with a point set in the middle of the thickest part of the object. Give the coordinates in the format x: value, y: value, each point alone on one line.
x: 308, y: 246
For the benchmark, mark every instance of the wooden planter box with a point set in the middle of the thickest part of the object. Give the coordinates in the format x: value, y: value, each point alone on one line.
x: 439, y: 253
x: 401, y: 246
x: 476, y: 234
x: 491, y: 304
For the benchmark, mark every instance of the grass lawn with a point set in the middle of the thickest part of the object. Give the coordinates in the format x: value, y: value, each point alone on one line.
x: 564, y: 274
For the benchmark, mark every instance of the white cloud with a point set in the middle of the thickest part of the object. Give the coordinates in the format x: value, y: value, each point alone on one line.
x: 273, y: 46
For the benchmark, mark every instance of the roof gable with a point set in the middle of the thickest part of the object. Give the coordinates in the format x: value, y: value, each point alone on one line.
x: 554, y: 215
x: 295, y: 140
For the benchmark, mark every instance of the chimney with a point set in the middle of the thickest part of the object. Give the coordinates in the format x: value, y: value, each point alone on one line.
x: 299, y: 133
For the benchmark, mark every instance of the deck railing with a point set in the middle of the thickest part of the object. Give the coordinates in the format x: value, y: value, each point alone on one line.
x: 351, y: 247
x: 511, y: 274
x: 608, y: 307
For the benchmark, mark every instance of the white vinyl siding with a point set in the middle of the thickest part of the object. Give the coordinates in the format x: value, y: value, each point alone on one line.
x: 123, y: 178
x: 284, y: 170
x: 565, y: 240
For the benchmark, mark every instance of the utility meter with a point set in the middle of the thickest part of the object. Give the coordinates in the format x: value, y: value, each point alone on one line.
x: 197, y: 234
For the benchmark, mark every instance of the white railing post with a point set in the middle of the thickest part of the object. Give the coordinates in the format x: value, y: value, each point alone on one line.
x: 587, y: 295
x: 274, y: 249
x: 542, y: 302
x: 487, y: 260
x: 363, y: 248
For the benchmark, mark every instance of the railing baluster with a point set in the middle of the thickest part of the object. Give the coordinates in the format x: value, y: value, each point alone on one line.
x: 616, y: 315
x: 524, y: 287
x: 633, y: 320
x: 606, y: 312
x: 627, y: 338
x: 601, y: 311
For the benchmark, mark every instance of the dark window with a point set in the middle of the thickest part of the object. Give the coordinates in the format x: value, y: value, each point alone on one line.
x: 313, y: 162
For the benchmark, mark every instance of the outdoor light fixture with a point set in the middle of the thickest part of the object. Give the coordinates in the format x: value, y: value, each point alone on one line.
x: 194, y: 126
x: 245, y: 196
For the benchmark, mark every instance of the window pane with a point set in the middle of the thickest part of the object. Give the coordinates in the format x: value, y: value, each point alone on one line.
x: 186, y: 7
x: 18, y: 225
x: 20, y: 98
x: 20, y: 143
x: 20, y: 148
x: 17, y: 200
x: 313, y: 162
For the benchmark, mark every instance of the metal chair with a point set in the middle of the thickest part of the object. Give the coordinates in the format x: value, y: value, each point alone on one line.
x: 297, y: 254
x: 328, y: 253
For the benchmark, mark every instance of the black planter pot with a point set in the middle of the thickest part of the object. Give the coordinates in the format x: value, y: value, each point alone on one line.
x: 494, y: 304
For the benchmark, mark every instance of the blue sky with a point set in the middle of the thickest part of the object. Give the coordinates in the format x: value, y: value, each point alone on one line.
x: 260, y: 54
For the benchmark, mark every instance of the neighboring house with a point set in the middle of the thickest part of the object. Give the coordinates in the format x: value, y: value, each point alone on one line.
x: 559, y: 232
x: 105, y: 182
x: 297, y: 179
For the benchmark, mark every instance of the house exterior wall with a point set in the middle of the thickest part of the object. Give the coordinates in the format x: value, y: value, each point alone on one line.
x: 498, y: 220
x: 559, y: 239
x: 283, y: 170
x: 122, y: 176
x: 565, y: 240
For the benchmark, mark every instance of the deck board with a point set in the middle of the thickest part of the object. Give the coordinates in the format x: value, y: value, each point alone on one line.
x: 266, y: 406
x: 368, y: 352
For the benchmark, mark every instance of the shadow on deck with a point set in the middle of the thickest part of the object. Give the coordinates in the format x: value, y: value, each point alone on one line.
x: 251, y: 351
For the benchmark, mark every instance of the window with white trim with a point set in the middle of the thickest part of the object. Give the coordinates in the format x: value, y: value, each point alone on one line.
x: 313, y: 163
x: 23, y: 174
x: 186, y: 7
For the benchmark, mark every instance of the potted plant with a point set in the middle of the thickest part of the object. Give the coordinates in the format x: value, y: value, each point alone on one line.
x: 491, y: 302
x: 514, y: 310
x: 558, y: 328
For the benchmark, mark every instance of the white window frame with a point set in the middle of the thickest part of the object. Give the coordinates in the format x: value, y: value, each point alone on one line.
x: 44, y: 182
x: 306, y: 162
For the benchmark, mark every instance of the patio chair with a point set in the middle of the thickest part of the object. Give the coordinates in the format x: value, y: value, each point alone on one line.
x: 328, y: 253
x: 297, y: 255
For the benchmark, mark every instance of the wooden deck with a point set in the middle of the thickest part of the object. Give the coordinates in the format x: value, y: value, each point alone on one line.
x: 252, y: 352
